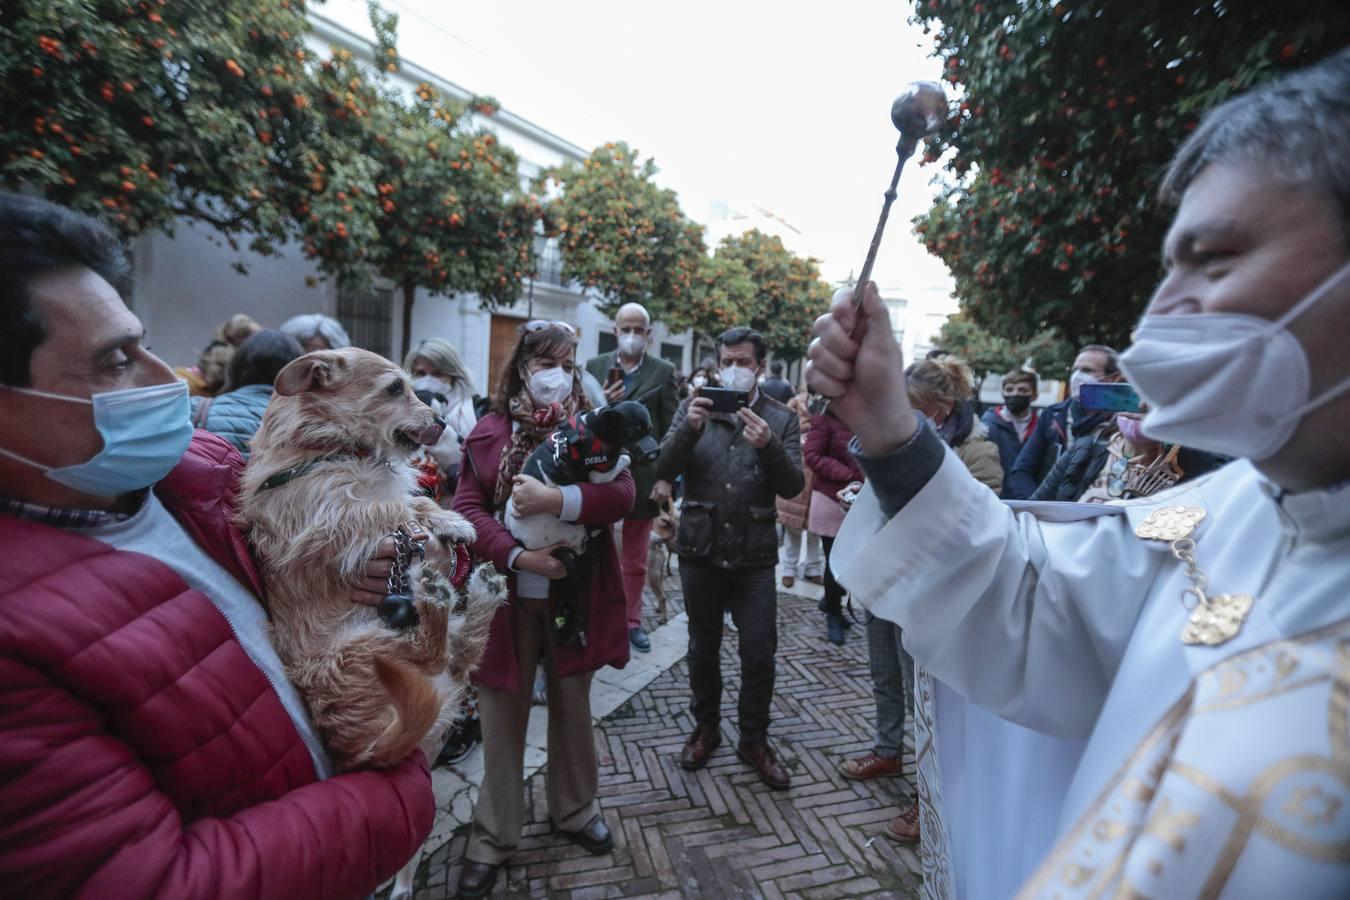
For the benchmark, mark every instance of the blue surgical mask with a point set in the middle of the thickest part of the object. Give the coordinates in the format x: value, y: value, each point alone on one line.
x: 145, y: 431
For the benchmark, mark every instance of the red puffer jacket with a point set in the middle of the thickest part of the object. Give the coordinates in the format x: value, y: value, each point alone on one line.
x: 142, y: 753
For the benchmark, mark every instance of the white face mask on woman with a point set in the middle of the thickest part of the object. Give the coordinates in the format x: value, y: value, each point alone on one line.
x: 551, y: 385
x: 1229, y: 383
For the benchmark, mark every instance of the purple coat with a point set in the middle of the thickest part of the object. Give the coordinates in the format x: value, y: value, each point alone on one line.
x: 601, y: 504
x: 825, y: 453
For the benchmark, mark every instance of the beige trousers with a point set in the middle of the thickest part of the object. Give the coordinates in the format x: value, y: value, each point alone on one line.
x: 572, y: 775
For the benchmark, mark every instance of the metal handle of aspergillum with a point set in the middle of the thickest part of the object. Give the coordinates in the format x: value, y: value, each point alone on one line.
x: 918, y: 112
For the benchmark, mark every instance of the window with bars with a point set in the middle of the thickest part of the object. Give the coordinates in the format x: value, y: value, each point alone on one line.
x: 367, y: 314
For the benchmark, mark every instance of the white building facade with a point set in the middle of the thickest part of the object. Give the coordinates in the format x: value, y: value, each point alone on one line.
x: 186, y: 284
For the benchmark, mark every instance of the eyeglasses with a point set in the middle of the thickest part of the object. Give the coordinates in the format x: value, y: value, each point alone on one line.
x: 534, y: 325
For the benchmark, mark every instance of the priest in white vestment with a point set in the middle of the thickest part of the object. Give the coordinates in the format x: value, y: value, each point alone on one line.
x: 1147, y: 699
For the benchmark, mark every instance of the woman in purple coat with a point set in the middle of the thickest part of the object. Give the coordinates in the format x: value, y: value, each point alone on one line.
x: 825, y: 453
x: 539, y: 388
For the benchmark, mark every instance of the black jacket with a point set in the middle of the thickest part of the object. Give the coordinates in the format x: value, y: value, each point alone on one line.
x: 1080, y: 465
x: 729, y: 515
x: 1076, y: 468
x: 1051, y: 435
x: 1004, y: 435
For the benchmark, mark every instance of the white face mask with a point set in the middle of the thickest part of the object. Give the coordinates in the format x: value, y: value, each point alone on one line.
x: 549, y: 386
x: 1077, y: 380
x: 698, y: 381
x: 632, y: 344
x: 737, y: 378
x: 1229, y: 383
x: 433, y: 384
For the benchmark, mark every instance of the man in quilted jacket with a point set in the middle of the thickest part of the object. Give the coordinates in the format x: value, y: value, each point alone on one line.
x: 734, y: 467
x: 150, y: 743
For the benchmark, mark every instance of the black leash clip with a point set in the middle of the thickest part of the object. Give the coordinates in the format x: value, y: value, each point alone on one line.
x: 396, y: 609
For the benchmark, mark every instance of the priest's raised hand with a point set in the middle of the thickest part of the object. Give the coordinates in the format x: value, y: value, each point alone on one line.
x: 856, y: 363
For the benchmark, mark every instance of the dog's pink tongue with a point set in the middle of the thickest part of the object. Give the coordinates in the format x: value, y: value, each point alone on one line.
x: 430, y: 435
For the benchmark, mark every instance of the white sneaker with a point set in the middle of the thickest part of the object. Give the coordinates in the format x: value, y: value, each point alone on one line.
x: 727, y: 621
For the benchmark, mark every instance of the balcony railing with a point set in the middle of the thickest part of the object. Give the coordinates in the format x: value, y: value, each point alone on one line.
x: 548, y: 261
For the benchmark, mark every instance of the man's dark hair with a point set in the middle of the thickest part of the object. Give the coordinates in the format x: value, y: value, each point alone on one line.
x: 260, y: 357
x: 1112, y: 367
x: 1295, y: 129
x: 38, y: 237
x: 776, y: 367
x: 740, y: 335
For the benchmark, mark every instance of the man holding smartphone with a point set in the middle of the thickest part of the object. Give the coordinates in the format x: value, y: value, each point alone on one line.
x: 734, y: 463
x: 631, y: 373
x: 1060, y: 423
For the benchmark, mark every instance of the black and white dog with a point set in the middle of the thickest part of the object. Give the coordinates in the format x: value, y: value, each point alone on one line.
x: 595, y: 447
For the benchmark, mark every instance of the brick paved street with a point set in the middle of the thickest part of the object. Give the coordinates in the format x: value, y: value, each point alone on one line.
x: 719, y: 832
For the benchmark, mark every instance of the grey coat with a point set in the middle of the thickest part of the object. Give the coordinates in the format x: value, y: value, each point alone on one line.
x: 728, y: 516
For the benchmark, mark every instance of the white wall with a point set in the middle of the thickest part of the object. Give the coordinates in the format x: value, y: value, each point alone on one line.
x: 185, y: 287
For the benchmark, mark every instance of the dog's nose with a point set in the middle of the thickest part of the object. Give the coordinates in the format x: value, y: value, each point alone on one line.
x: 647, y: 450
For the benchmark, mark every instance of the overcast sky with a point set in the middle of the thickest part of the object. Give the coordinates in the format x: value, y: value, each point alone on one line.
x: 780, y: 105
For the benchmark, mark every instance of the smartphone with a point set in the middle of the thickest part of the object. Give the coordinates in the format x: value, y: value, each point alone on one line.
x: 1116, y: 397
x: 615, y: 375
x: 725, y: 400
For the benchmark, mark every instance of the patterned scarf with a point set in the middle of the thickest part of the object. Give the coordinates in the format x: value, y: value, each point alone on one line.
x: 532, y: 427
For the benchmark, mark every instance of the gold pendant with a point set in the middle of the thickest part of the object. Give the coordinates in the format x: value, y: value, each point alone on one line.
x: 1217, y: 620
x: 1214, y: 620
x: 1170, y: 523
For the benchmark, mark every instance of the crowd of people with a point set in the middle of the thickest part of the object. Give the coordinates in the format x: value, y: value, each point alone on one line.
x: 1021, y: 568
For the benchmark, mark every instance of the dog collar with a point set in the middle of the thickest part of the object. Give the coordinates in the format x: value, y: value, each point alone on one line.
x: 288, y: 475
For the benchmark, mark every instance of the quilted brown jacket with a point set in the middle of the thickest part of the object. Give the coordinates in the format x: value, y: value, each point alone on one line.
x: 728, y: 515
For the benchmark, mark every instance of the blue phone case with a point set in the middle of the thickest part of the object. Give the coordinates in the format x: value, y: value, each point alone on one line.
x: 1109, y: 397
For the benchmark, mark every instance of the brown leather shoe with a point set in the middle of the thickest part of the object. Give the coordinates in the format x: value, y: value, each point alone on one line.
x: 700, y: 746
x: 476, y: 879
x: 789, y: 580
x: 870, y: 766
x: 761, y: 756
x: 595, y: 838
x: 904, y: 828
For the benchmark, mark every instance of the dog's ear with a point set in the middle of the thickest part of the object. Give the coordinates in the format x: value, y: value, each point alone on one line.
x: 609, y: 422
x: 309, y: 372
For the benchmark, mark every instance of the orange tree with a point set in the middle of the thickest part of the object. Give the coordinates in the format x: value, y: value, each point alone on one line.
x: 428, y: 199
x: 424, y: 195
x: 623, y: 235
x: 147, y: 111
x: 720, y: 298
x: 789, y: 293
x: 1068, y: 112
x: 987, y: 353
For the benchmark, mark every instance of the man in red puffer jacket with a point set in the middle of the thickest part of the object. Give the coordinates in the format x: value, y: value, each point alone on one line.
x: 150, y: 743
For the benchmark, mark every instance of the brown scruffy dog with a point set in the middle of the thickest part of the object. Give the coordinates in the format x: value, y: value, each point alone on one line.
x: 327, y: 480
x: 660, y: 546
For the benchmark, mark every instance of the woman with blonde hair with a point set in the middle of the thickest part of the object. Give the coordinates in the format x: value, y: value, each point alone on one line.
x: 443, y: 383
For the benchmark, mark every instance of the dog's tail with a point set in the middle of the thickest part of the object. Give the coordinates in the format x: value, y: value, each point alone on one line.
x: 416, y: 703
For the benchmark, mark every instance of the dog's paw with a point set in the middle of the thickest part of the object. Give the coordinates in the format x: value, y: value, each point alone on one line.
x: 450, y: 527
x: 487, y: 583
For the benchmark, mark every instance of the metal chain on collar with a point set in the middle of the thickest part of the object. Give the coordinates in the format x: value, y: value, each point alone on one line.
x: 406, y: 547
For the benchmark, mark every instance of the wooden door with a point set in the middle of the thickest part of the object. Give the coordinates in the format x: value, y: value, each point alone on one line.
x: 505, y: 332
